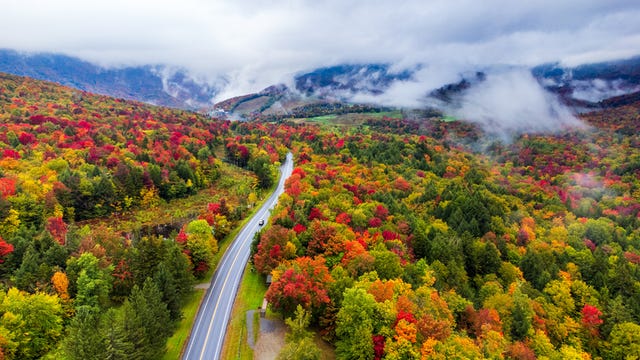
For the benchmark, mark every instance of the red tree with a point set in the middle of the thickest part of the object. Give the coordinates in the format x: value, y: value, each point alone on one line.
x: 57, y: 228
x: 7, y: 187
x: 271, y: 249
x: 591, y: 319
x: 5, y: 249
x: 378, y: 347
x: 305, y: 282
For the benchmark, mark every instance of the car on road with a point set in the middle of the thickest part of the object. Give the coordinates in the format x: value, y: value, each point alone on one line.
x: 261, y: 222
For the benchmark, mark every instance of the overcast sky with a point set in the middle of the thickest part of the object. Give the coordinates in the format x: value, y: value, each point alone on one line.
x: 257, y: 42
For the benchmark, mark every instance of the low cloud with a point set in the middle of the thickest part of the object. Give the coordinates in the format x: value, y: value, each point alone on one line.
x: 506, y: 101
x: 599, y: 89
x: 512, y: 102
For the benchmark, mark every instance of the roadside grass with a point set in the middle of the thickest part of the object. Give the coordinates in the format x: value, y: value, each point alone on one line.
x: 250, y: 295
x: 189, y: 310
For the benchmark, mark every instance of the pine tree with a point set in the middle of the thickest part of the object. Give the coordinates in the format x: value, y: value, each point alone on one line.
x: 178, y: 264
x: 146, y: 320
x: 83, y: 341
x: 117, y: 346
x: 167, y: 285
x: 26, y: 275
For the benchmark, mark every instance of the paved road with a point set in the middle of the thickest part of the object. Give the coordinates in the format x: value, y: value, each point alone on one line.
x: 207, y: 335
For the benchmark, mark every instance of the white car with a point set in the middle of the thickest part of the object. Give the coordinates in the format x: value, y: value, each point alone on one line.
x: 261, y: 222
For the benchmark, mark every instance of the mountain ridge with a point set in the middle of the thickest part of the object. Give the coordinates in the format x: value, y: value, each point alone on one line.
x: 581, y: 87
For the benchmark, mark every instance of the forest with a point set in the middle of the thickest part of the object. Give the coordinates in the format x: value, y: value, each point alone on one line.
x: 395, y: 238
x: 405, y: 240
x: 84, y: 181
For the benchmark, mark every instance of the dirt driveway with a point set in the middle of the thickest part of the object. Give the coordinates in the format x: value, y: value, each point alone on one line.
x: 270, y: 340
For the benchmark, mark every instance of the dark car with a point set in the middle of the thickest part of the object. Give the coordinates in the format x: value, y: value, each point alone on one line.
x: 261, y: 222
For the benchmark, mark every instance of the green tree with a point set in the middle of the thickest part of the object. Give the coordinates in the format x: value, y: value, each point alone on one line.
x: 261, y: 166
x: 177, y: 263
x: 625, y: 341
x: 522, y: 315
x: 355, y: 325
x: 146, y: 321
x: 117, y: 345
x: 148, y: 252
x: 84, y: 340
x: 202, y: 245
x: 299, y: 341
x: 34, y: 320
x: 92, y: 284
x: 386, y: 263
x: 26, y: 275
x: 167, y: 285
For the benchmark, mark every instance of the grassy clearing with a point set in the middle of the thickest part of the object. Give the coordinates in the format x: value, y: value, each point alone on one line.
x: 325, y: 119
x: 178, y: 339
x: 234, y: 185
x: 350, y: 119
x: 250, y: 295
x: 395, y: 114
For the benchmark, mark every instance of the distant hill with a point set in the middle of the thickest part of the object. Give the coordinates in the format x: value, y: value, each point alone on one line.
x: 590, y: 84
x: 159, y: 85
x: 582, y: 87
x: 353, y: 78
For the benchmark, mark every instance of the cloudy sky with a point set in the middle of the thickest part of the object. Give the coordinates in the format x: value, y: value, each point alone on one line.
x: 273, y: 37
x: 256, y: 43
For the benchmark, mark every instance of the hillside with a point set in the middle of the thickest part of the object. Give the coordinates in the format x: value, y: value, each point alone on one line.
x: 91, y: 189
x: 154, y: 84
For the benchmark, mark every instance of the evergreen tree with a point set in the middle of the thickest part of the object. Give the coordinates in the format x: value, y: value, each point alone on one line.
x: 83, y: 341
x: 26, y: 275
x: 145, y: 257
x: 146, y: 320
x: 180, y: 267
x: 167, y: 285
x: 117, y: 346
x: 522, y: 316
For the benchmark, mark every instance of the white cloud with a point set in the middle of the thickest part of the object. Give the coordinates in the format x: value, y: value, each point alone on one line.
x: 511, y: 101
x: 255, y: 43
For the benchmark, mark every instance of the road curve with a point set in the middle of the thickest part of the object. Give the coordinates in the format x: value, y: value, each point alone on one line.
x: 207, y: 334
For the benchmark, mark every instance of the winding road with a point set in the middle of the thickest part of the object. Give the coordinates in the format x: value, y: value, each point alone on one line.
x: 207, y: 334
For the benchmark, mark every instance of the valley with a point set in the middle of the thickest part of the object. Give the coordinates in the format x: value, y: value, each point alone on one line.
x: 400, y: 233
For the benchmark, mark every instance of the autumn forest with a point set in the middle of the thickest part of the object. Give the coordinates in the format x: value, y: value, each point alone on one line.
x: 397, y: 237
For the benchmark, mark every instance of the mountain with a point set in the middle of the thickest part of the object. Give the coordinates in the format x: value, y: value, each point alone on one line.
x: 349, y: 79
x: 317, y: 91
x: 590, y: 84
x: 159, y: 85
x: 322, y: 91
